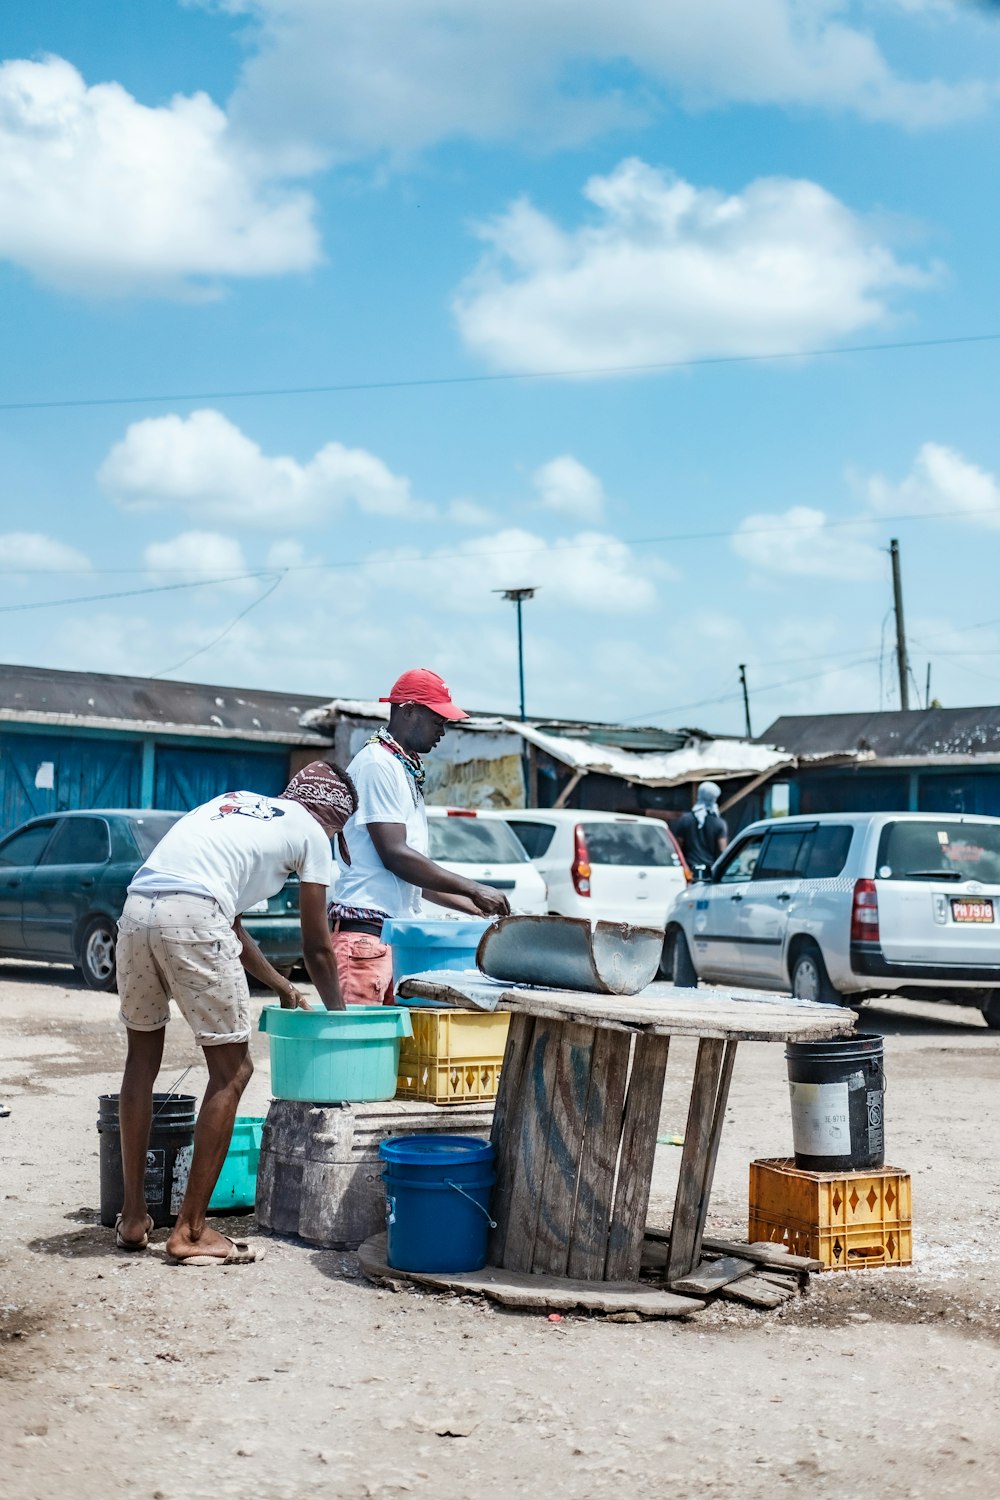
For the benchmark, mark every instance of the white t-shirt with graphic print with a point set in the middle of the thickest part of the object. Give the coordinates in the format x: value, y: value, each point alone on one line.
x: 387, y: 793
x: 240, y: 849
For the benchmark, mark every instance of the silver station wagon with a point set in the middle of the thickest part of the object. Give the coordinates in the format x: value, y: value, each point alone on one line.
x: 843, y: 907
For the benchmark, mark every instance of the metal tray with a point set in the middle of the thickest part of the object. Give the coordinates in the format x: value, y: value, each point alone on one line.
x: 566, y: 953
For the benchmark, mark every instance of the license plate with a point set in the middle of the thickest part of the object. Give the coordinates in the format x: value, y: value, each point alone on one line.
x: 971, y: 911
x: 261, y: 906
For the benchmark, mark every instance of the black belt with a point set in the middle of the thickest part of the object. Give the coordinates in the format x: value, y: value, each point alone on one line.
x: 355, y: 924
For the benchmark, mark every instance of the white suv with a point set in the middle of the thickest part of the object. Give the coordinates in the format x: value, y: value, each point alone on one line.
x: 611, y: 867
x: 467, y: 842
x: 847, y: 906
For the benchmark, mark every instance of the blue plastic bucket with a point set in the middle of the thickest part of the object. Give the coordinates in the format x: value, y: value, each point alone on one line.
x: 335, y: 1056
x: 437, y: 1191
x: 418, y: 946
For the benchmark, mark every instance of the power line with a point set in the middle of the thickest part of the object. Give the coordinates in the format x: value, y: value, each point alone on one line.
x: 162, y: 588
x: 427, y: 381
x: 223, y: 633
x: 467, y: 555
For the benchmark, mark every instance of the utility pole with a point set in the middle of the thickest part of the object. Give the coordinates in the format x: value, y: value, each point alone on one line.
x: 902, y: 660
x: 517, y: 598
x: 746, y: 699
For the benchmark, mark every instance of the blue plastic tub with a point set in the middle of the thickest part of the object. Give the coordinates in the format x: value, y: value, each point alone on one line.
x: 437, y: 1191
x: 237, y: 1184
x: 335, y: 1056
x: 421, y: 945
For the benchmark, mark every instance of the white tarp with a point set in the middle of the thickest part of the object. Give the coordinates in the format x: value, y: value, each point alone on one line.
x: 700, y: 760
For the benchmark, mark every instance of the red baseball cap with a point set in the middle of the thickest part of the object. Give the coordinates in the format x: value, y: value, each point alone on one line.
x: 421, y: 685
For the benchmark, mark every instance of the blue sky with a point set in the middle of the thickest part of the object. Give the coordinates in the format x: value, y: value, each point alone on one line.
x: 203, y: 199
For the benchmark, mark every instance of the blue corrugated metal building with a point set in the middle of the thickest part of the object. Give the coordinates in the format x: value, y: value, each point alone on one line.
x: 75, y: 739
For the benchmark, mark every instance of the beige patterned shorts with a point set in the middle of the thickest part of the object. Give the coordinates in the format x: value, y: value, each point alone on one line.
x: 181, y: 947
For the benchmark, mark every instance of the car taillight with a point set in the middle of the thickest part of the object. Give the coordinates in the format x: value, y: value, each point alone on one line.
x: 864, y: 913
x: 580, y: 868
x: 461, y: 812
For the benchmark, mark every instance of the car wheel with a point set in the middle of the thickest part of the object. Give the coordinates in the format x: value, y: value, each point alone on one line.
x: 97, y: 954
x: 677, y: 967
x: 991, y: 1010
x: 810, y: 981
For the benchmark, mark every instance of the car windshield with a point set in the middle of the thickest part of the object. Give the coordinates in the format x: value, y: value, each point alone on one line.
x: 629, y: 844
x: 940, y: 849
x: 149, y: 830
x: 474, y: 841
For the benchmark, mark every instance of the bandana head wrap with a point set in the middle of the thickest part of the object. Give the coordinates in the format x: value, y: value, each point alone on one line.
x: 329, y: 794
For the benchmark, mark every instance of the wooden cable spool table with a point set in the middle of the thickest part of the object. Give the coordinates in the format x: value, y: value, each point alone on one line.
x: 578, y: 1109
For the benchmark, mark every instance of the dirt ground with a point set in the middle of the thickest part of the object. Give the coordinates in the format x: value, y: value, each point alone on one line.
x: 297, y: 1378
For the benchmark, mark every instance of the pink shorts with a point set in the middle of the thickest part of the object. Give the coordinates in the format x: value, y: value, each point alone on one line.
x: 364, y: 966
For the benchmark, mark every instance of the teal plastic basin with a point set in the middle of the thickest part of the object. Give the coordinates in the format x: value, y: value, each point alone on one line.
x: 237, y: 1184
x: 418, y: 946
x: 335, y: 1056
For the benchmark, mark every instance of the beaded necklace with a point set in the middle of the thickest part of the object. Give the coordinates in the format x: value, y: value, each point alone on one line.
x: 411, y: 763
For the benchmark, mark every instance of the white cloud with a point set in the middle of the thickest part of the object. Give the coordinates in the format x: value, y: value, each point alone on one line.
x: 590, y: 571
x: 102, y: 194
x: 941, y: 481
x: 288, y: 553
x: 669, y: 271
x: 198, y: 554
x: 206, y: 465
x: 33, y: 552
x: 360, y: 79
x: 469, y: 513
x: 800, y: 543
x: 568, y: 486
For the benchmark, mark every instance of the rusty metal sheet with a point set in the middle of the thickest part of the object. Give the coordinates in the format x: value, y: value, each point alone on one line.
x: 567, y: 953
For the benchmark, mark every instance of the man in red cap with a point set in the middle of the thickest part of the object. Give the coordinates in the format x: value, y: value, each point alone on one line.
x: 389, y: 870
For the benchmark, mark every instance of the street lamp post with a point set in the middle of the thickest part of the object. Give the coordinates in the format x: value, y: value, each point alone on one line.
x: 517, y: 598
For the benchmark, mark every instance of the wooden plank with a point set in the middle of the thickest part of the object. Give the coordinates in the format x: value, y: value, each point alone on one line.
x: 756, y: 1292
x: 685, y: 1232
x: 522, y: 1289
x: 532, y: 1138
x: 712, y: 1275
x: 659, y: 1010
x: 507, y: 1115
x: 762, y: 1253
x: 558, y: 1197
x: 599, y: 1155
x: 718, y: 1121
x: 643, y: 1101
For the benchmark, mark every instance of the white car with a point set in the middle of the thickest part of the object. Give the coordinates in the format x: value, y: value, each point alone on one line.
x: 477, y: 846
x: 612, y: 867
x: 845, y: 906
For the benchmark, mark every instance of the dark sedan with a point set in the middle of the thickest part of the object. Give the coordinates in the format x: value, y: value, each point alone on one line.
x: 62, y: 888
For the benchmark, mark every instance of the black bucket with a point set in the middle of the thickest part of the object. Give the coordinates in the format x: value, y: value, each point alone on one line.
x: 168, y: 1158
x: 837, y: 1091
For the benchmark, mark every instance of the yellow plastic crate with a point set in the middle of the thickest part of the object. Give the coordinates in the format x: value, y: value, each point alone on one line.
x: 453, y: 1056
x: 847, y: 1220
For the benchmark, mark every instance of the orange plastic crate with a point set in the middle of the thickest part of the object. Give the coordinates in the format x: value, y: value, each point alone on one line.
x: 847, y: 1220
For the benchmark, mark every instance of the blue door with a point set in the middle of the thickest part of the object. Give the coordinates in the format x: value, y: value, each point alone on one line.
x: 186, y: 778
x: 47, y: 773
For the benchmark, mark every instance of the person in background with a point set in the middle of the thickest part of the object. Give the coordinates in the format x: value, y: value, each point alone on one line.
x: 702, y: 833
x: 390, y: 873
x: 180, y: 937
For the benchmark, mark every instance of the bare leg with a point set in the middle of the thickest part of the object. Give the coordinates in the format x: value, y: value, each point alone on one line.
x: 229, y: 1072
x: 135, y: 1114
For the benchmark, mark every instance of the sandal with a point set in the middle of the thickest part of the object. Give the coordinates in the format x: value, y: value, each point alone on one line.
x: 240, y: 1253
x: 123, y: 1244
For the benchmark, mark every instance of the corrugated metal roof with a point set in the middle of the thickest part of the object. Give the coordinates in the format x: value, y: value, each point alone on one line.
x: 42, y: 695
x: 920, y: 734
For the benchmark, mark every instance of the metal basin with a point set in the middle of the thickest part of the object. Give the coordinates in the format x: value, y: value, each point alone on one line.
x: 566, y: 953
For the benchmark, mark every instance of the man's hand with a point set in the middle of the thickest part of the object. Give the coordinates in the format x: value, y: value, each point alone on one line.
x: 293, y: 999
x: 487, y: 901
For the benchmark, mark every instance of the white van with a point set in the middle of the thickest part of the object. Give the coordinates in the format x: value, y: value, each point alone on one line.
x: 612, y: 867
x: 848, y: 906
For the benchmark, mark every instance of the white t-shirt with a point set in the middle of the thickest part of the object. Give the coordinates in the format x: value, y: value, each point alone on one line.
x: 239, y: 848
x: 387, y: 793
